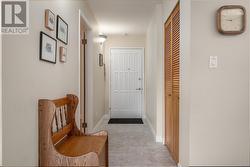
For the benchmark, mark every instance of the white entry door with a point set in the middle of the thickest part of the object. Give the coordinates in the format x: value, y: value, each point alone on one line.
x: 126, y: 82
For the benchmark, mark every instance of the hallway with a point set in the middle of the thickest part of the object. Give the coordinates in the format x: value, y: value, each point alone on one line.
x: 134, y: 145
x: 181, y: 66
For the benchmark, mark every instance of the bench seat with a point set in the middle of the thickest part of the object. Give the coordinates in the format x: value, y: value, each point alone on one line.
x: 74, y: 146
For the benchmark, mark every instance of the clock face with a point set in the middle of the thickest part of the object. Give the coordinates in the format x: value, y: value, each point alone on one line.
x: 232, y: 20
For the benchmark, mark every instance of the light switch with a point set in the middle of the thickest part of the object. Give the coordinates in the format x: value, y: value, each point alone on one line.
x: 213, y: 62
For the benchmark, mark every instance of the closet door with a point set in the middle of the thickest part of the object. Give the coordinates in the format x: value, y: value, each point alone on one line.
x: 172, y: 82
x: 168, y: 85
x: 176, y: 79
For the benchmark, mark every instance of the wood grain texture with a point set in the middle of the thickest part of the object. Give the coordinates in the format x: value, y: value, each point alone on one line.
x: 172, y: 82
x: 79, y: 149
x: 79, y: 145
x: 62, y: 133
x: 176, y: 80
x: 168, y: 84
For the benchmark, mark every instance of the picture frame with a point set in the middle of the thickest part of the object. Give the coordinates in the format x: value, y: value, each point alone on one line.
x: 48, y: 48
x: 50, y: 20
x: 101, y: 60
x: 63, y: 54
x: 62, y: 30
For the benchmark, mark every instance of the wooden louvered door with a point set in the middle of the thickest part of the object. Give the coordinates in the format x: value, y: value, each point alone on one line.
x: 176, y: 79
x: 172, y: 82
x: 168, y: 84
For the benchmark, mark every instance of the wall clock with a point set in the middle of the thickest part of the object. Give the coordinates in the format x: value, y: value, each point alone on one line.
x: 231, y: 20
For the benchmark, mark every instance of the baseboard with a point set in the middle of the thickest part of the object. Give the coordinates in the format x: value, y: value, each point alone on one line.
x: 163, y: 140
x: 159, y: 139
x: 95, y: 129
x: 106, y: 116
x: 150, y: 126
x: 179, y: 165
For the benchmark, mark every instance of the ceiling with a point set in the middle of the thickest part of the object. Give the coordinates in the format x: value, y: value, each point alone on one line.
x: 117, y: 17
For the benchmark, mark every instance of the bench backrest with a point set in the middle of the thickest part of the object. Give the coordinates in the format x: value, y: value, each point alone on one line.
x: 59, y: 115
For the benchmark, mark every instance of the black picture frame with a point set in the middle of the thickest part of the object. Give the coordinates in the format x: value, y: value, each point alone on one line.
x: 42, y: 57
x: 59, y: 19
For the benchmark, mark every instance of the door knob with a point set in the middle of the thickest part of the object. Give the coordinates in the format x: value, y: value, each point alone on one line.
x: 139, y: 89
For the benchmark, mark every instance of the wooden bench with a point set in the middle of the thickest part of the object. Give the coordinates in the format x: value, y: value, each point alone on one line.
x: 60, y: 141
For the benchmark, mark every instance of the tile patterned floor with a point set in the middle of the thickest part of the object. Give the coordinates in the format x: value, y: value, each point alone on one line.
x: 134, y: 146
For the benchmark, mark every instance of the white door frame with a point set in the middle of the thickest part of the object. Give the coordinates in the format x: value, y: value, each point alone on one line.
x: 143, y: 78
x: 88, y: 73
x: 1, y: 98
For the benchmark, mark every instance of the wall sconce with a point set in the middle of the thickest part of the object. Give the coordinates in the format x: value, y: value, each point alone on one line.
x: 102, y: 38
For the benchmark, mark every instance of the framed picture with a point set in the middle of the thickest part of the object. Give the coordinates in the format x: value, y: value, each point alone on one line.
x: 50, y: 20
x: 62, y: 30
x: 100, y: 60
x: 63, y: 54
x: 48, y: 46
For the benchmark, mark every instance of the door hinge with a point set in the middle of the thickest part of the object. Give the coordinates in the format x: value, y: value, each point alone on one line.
x: 84, y: 41
x: 84, y: 125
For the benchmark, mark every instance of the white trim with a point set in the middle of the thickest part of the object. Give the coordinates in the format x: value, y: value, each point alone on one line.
x: 79, y: 60
x: 151, y: 127
x: 109, y: 109
x: 143, y: 112
x: 179, y: 165
x: 106, y: 116
x: 1, y: 98
x: 159, y: 139
x: 86, y: 21
x: 99, y: 123
x: 82, y: 16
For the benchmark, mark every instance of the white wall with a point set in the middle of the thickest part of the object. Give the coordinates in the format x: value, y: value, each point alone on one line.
x: 185, y: 73
x: 150, y: 77
x: 118, y: 41
x: 27, y: 79
x: 214, y: 105
x: 219, y: 99
x: 99, y: 88
x: 155, y: 68
x: 168, y: 6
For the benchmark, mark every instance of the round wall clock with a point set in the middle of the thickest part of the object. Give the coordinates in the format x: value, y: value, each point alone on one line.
x: 231, y: 20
